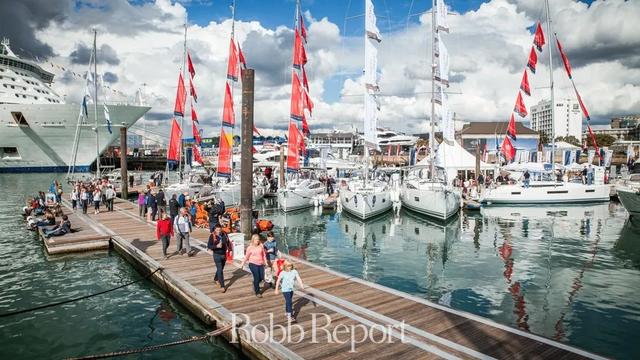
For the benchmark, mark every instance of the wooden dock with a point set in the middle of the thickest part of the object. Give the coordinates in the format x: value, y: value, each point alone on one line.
x: 404, y: 326
x: 85, y: 237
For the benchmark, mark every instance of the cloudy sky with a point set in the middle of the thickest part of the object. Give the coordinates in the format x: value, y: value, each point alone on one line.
x: 140, y: 42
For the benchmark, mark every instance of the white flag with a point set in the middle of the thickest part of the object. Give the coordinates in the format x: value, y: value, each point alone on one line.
x: 441, y: 16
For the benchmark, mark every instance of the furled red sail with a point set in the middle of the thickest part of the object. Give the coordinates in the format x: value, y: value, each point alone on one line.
x: 255, y: 130
x: 519, y: 107
x: 511, y: 130
x: 593, y: 140
x: 303, y: 30
x: 190, y: 67
x: 297, y: 109
x: 196, y: 133
x: 228, y: 115
x: 305, y: 82
x: 524, y: 84
x: 232, y: 66
x: 305, y: 126
x: 508, y: 150
x: 293, y: 147
x: 538, y: 38
x: 533, y: 60
x: 192, y: 89
x: 241, y: 56
x: 582, y: 106
x: 196, y: 154
x: 224, y: 156
x: 194, y: 116
x: 299, y: 53
x: 565, y: 59
x: 173, y: 153
x: 181, y: 98
x: 306, y: 101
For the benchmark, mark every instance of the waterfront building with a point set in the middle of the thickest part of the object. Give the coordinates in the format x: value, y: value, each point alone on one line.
x: 491, y: 133
x: 567, y: 119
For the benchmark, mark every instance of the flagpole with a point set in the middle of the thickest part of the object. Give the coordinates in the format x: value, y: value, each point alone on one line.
x: 95, y: 101
x: 233, y: 85
x: 433, y: 88
x: 184, y: 60
x: 553, y: 125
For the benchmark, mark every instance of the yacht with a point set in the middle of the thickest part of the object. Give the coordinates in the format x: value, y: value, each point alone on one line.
x: 431, y: 198
x: 300, y: 193
x: 629, y: 194
x: 390, y: 137
x: 366, y: 199
x: 38, y: 126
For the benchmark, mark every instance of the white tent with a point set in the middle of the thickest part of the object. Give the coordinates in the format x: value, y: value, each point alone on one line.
x: 561, y: 145
x: 453, y: 158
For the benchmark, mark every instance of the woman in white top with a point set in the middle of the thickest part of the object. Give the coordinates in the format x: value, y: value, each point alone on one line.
x: 96, y: 200
x: 75, y: 196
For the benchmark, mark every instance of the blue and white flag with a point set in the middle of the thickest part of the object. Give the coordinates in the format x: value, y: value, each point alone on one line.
x: 107, y: 117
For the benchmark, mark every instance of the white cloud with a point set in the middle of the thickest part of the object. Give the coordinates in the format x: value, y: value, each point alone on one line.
x: 488, y: 49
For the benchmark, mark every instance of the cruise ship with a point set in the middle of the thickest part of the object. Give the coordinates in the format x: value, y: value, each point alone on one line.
x: 38, y: 127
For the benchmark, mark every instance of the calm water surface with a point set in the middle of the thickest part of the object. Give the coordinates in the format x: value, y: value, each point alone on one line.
x: 567, y: 273
x: 139, y: 315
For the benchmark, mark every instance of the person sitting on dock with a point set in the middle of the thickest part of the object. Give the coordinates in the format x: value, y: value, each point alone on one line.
x: 60, y: 229
x: 286, y: 281
x: 49, y: 220
x: 218, y: 245
x: 164, y: 232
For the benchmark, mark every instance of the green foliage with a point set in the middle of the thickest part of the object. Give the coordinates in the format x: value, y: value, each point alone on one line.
x: 570, y: 140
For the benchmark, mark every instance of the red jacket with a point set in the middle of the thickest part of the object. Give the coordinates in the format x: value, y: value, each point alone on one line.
x: 164, y: 227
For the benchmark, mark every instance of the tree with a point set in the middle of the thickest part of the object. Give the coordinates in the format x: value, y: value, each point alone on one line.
x: 570, y: 140
x: 602, y: 140
x: 544, y: 139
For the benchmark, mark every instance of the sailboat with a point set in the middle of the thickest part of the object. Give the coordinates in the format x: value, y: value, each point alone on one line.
x: 301, y: 190
x: 432, y: 196
x: 548, y: 191
x: 367, y: 198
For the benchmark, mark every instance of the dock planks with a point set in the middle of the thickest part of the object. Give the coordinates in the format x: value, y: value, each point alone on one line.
x: 429, y: 330
x: 84, y: 237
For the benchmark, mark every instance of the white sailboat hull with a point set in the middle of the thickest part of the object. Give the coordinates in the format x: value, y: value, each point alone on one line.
x: 546, y: 193
x: 431, y: 199
x: 630, y: 199
x: 299, y: 194
x: 365, y: 203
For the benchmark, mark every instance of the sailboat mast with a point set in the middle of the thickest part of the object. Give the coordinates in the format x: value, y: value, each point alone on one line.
x: 553, y: 108
x: 432, y: 138
x: 366, y: 94
x: 233, y: 83
x: 184, y: 61
x: 95, y: 101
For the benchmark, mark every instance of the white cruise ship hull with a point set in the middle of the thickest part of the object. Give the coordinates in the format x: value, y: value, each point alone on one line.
x: 365, y: 203
x: 430, y: 199
x: 45, y: 142
x: 546, y: 193
x: 630, y: 199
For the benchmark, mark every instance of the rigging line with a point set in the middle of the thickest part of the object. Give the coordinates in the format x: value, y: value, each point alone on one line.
x: 409, y: 14
x: 156, y: 347
x: 386, y: 10
x: 78, y: 298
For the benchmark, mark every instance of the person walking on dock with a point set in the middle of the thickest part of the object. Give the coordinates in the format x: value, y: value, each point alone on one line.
x: 109, y: 195
x: 286, y: 282
x: 161, y: 200
x: 153, y: 204
x: 218, y: 245
x: 257, y: 259
x: 164, y: 231
x: 75, y: 196
x: 174, y: 207
x: 97, y: 194
x: 182, y: 226
x: 142, y: 208
x: 271, y: 247
x: 84, y: 199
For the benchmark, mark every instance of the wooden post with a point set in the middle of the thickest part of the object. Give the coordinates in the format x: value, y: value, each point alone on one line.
x: 124, y: 187
x: 246, y: 169
x: 478, y: 160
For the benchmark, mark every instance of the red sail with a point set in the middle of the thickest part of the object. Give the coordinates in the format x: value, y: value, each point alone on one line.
x: 524, y: 84
x: 196, y: 154
x: 173, y: 153
x: 190, y: 67
x: 228, y: 115
x: 196, y: 133
x: 519, y: 107
x: 299, y: 53
x: 224, y: 156
x: 593, y: 140
x: 305, y: 82
x: 565, y: 59
x: 508, y: 150
x: 533, y: 60
x: 293, y: 148
x: 306, y: 101
x: 194, y: 116
x: 297, y: 109
x: 181, y: 97
x: 305, y: 126
x: 192, y: 88
x: 303, y: 30
x: 255, y: 130
x: 241, y: 55
x: 511, y: 130
x: 584, y: 108
x: 232, y: 66
x: 538, y: 38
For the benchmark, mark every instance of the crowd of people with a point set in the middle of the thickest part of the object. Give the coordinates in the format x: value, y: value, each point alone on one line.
x: 93, y: 193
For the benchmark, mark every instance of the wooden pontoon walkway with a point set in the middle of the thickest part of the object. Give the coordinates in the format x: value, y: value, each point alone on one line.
x: 85, y: 237
x: 430, y: 330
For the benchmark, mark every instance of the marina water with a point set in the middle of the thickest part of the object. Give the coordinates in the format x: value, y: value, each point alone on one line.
x: 568, y: 273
